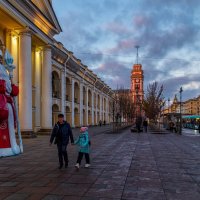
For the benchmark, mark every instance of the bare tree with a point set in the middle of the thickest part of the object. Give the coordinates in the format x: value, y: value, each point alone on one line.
x: 153, y: 101
x: 124, y: 104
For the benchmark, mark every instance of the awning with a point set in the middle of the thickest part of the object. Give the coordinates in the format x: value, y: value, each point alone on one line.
x: 191, y: 117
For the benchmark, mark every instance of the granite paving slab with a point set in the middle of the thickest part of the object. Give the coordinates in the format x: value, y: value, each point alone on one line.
x: 124, y: 166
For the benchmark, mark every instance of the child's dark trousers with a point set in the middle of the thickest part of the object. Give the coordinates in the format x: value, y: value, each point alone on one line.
x: 80, y: 157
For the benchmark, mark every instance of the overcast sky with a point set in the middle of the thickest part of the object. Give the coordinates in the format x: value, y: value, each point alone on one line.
x: 104, y: 33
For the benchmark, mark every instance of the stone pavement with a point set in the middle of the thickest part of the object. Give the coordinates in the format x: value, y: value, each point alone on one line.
x: 124, y: 166
x: 95, y: 130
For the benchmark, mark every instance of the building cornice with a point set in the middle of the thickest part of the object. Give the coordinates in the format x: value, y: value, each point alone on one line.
x: 33, y: 13
x: 24, y: 21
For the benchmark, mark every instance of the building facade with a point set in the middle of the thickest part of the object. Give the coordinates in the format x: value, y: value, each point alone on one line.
x: 51, y: 79
x: 137, y: 91
x: 137, y: 83
x: 188, y: 107
x: 191, y: 106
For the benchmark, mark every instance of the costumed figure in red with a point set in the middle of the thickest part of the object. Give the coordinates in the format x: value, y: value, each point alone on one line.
x: 8, y: 116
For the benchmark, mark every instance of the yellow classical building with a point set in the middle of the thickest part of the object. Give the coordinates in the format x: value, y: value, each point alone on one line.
x: 51, y: 79
x: 188, y: 107
x: 191, y: 107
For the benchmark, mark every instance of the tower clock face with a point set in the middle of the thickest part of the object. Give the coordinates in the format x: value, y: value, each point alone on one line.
x: 137, y: 80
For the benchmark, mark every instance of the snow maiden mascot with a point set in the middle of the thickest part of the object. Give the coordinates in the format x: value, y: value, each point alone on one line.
x: 8, y: 110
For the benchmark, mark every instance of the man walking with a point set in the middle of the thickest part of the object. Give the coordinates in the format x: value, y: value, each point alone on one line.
x: 138, y: 123
x: 145, y: 125
x: 61, y: 133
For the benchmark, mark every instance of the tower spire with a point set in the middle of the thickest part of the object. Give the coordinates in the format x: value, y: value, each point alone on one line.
x: 137, y: 55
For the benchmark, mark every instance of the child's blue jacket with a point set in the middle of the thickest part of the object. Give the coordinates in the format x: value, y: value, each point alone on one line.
x: 83, y: 142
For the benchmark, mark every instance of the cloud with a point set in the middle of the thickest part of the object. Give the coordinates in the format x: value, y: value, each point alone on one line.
x: 168, y: 35
x: 116, y: 28
x: 114, y: 74
x: 140, y: 20
x: 193, y: 85
x: 190, y: 84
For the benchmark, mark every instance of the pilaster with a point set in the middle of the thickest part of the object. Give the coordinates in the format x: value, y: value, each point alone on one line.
x: 81, y: 104
x: 96, y: 109
x: 86, y: 105
x: 92, y: 107
x: 46, y: 108
x: 72, y: 102
x: 100, y: 112
x: 63, y: 90
x: 38, y: 63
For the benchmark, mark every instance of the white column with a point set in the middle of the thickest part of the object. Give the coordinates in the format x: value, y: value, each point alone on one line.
x: 25, y: 81
x: 81, y: 104
x: 12, y: 46
x: 14, y: 52
x: 96, y: 108
x: 100, y: 112
x: 37, y: 88
x: 8, y: 40
x: 46, y: 108
x: 107, y: 110
x: 87, y: 105
x: 103, y: 108
x: 72, y: 102
x: 92, y: 107
x: 63, y: 91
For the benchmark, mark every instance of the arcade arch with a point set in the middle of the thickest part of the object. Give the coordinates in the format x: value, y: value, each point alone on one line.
x: 68, y: 90
x: 55, y: 111
x: 56, y: 85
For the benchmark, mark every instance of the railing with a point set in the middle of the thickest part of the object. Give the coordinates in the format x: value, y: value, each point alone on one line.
x: 117, y: 126
x: 56, y: 95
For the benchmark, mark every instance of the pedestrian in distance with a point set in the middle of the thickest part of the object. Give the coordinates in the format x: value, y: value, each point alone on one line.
x: 199, y: 126
x: 138, y: 123
x: 83, y: 143
x: 60, y: 135
x: 145, y: 125
x: 100, y: 123
x: 171, y: 126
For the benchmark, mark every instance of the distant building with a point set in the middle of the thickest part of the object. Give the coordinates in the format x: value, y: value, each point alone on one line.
x: 188, y: 107
x: 137, y: 91
x: 137, y: 83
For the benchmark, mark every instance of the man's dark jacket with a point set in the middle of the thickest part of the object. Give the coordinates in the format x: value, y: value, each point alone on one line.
x: 61, y: 135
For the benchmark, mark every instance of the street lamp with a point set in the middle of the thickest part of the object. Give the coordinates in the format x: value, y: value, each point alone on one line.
x: 113, y: 113
x: 137, y: 99
x: 180, y: 91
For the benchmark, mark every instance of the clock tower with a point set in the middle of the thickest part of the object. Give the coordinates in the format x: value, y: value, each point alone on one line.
x: 137, y: 81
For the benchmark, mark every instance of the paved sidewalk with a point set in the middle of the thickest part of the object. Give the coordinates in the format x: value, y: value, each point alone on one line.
x: 124, y: 166
x: 95, y: 130
x: 185, y: 131
x: 190, y: 132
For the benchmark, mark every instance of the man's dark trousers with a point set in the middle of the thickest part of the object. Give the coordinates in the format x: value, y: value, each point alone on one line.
x: 62, y: 153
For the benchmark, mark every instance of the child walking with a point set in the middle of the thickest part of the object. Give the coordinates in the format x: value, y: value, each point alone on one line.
x: 84, y: 147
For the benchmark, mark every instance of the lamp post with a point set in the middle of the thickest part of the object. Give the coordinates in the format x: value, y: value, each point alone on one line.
x: 168, y: 104
x: 137, y: 100
x: 180, y: 91
x: 113, y: 114
x: 162, y: 111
